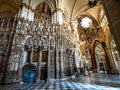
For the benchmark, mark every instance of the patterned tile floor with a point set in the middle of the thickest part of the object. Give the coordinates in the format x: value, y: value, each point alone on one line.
x: 93, y: 82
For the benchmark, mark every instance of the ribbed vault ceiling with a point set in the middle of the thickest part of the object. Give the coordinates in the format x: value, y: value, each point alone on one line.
x: 9, y: 7
x: 71, y: 8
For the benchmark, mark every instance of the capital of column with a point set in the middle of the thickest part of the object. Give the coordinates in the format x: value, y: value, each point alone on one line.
x: 57, y: 16
x: 57, y: 10
x: 27, y: 6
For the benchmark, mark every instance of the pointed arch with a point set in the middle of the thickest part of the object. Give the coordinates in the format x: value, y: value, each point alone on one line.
x: 48, y: 2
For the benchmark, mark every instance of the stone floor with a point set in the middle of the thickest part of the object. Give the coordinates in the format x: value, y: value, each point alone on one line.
x: 92, y: 82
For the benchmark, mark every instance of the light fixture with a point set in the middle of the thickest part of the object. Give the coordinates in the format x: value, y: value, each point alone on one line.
x: 85, y: 22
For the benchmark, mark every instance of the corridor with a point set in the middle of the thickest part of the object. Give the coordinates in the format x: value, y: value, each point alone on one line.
x: 92, y: 82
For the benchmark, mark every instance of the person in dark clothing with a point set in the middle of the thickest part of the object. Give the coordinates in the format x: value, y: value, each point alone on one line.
x: 108, y: 69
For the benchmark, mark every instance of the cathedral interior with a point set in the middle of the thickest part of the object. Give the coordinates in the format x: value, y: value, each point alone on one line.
x: 59, y: 45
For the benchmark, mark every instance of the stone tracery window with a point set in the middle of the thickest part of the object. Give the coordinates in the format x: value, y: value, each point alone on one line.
x: 86, y: 29
x: 85, y: 22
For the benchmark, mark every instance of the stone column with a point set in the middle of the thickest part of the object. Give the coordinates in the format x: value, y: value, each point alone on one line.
x: 71, y: 63
x: 39, y: 65
x: 52, y: 66
x: 24, y: 58
x: 61, y: 64
x: 57, y: 16
x: 48, y: 63
x: 113, y: 15
x: 119, y: 64
x: 31, y: 56
x: 22, y: 62
x: 26, y: 12
x: 57, y: 19
x: 57, y: 65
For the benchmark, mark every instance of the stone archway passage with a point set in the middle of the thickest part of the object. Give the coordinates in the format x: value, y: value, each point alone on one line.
x: 102, y: 62
x: 29, y: 73
x: 44, y: 73
x: 29, y: 76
